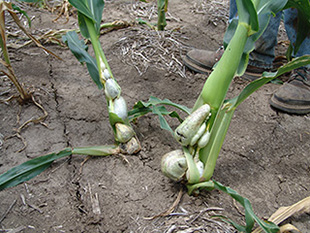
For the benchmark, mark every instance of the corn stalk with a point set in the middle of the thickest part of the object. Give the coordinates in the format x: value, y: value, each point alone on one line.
x: 162, y: 8
x: 89, y: 17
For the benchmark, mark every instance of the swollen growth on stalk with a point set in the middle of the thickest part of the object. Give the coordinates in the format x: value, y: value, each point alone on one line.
x: 124, y: 134
x: 192, y: 134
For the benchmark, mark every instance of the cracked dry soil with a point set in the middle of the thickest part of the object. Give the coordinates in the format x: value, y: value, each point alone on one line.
x: 265, y: 157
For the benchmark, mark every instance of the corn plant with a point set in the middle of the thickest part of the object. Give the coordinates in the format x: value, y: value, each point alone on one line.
x: 126, y: 142
x: 202, y: 133
x: 89, y: 17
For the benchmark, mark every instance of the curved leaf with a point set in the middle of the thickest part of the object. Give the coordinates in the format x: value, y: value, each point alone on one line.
x: 91, y: 9
x: 155, y: 105
x: 250, y: 216
x: 82, y: 6
x: 16, y: 8
x: 267, y: 77
x: 79, y: 49
x: 30, y: 169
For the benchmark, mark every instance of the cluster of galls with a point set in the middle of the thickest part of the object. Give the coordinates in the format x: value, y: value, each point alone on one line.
x: 192, y: 134
x: 124, y: 134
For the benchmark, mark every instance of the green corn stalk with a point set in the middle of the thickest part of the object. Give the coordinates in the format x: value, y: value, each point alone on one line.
x: 89, y: 17
x: 162, y: 7
x: 253, y: 19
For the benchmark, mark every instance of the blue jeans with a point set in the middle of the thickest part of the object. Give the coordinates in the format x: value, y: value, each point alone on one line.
x: 263, y: 54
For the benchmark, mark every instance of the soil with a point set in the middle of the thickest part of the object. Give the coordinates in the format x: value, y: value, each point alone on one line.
x: 265, y: 157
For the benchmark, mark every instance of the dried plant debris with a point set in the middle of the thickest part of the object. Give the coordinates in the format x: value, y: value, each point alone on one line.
x: 143, y: 48
x: 216, y: 10
x: 17, y: 38
x: 148, y: 11
x: 187, y: 221
x: 283, y: 213
x: 144, y: 10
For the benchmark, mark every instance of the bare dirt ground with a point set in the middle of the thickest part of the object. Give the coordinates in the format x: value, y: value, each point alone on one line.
x: 265, y: 157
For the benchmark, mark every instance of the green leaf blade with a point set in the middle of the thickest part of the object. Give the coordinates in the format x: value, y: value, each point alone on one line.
x: 96, y: 7
x: 303, y: 20
x: 30, y: 169
x: 79, y: 49
x: 82, y: 6
x: 156, y: 106
x: 267, y: 77
x: 249, y: 213
x: 91, y: 9
x: 162, y: 121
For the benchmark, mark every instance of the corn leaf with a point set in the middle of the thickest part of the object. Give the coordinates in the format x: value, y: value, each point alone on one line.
x: 250, y: 217
x: 82, y: 6
x: 79, y: 49
x: 209, y: 154
x: 96, y: 7
x: 267, y: 77
x: 82, y: 25
x: 16, y: 8
x: 238, y: 227
x: 153, y: 100
x: 155, y: 106
x: 162, y: 121
x: 103, y: 150
x: 30, y: 169
x: 91, y: 9
x: 141, y: 108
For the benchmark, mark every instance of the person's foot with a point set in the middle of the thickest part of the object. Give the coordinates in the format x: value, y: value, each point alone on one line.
x: 202, y: 61
x: 294, y: 96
